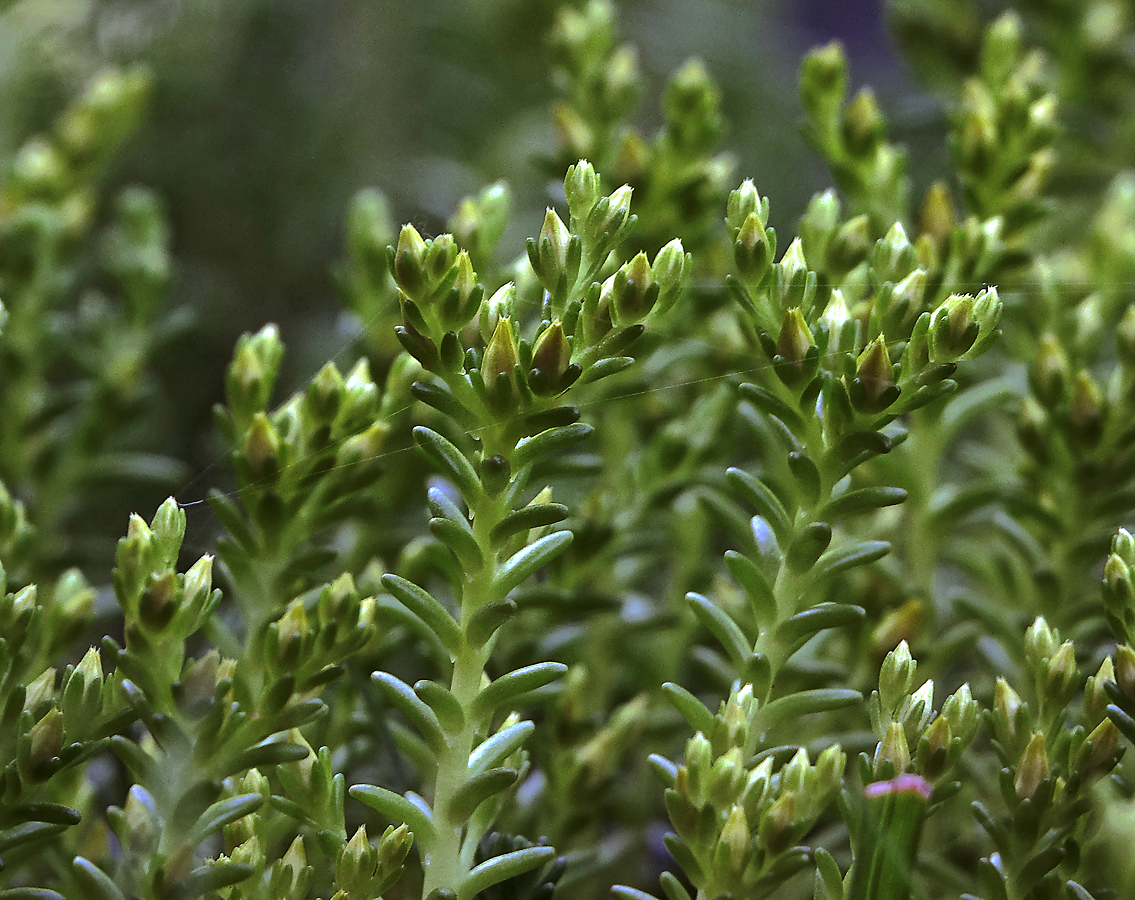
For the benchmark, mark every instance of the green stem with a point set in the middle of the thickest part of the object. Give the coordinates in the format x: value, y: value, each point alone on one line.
x: 444, y: 869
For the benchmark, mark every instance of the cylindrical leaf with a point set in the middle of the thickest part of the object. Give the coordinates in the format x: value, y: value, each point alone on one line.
x: 495, y: 749
x: 525, y: 562
x: 477, y: 790
x: 400, y: 695
x: 503, y: 867
x: 449, y: 461
x: 397, y: 809
x: 427, y: 608
x: 508, y: 688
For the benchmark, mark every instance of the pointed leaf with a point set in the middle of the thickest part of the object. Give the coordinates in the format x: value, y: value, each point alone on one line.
x: 802, y: 626
x: 485, y: 621
x: 756, y: 586
x: 803, y: 703
x: 861, y: 501
x: 213, y: 876
x: 460, y: 541
x: 773, y: 406
x: 443, y: 703
x: 611, y: 365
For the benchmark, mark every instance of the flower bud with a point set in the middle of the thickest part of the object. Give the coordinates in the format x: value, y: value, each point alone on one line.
x: 892, y: 754
x: 498, y: 306
x: 40, y: 690
x: 46, y: 739
x: 863, y: 124
x: 875, y: 387
x: 823, y: 79
x: 732, y: 853
x: 168, y: 529
x: 609, y: 217
x: 1100, y: 751
x: 1008, y: 712
x: 1059, y: 679
x: 829, y: 770
x: 292, y: 633
x: 581, y: 186
x: 634, y: 291
x: 500, y: 357
x: 963, y: 713
x: 252, y: 374
x: 670, y: 269
x: 262, y: 448
x: 409, y: 268
x: 953, y: 329
x: 553, y: 259
x: 795, y: 339
x: 551, y: 355
x: 198, y: 582
x: 1050, y: 373
x: 40, y: 170
x: 324, y: 395
x: 1033, y: 767
x: 744, y: 202
x: 356, y: 862
x: 777, y: 829
x: 752, y: 250
x: 1086, y: 409
x: 919, y: 708
x: 1041, y: 642
x: 893, y: 256
x: 937, y: 218
x: 931, y: 756
x: 849, y: 245
x: 896, y: 677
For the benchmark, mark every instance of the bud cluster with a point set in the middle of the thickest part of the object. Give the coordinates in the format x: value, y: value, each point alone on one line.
x: 1005, y: 128
x: 303, y: 645
x: 851, y: 136
x: 585, y: 327
x: 325, y: 438
x: 50, y: 184
x: 737, y: 821
x: 161, y: 606
x: 912, y: 737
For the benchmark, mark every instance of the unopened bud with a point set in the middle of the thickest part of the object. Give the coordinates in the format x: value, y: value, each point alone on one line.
x: 863, y: 126
x: 892, y: 754
x: 1033, y: 768
x: 410, y: 263
x: 875, y: 377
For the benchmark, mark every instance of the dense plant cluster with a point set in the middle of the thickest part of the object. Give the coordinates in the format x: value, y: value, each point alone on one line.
x: 671, y: 554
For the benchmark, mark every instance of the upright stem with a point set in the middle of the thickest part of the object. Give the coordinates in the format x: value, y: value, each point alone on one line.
x: 445, y: 868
